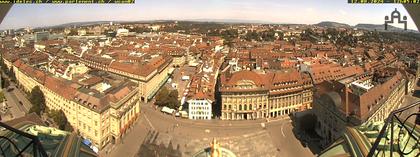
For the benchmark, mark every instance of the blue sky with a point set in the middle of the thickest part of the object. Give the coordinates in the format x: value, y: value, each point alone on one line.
x: 278, y: 11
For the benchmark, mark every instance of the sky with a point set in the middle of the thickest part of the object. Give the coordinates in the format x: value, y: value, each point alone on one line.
x: 275, y: 11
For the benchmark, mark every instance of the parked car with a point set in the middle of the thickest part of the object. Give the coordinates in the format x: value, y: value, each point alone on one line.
x: 167, y: 110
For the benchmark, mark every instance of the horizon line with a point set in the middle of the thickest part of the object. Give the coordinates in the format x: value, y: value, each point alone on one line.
x: 237, y: 21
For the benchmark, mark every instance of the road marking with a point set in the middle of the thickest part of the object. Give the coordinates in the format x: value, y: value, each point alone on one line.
x: 148, y: 121
x: 282, y: 133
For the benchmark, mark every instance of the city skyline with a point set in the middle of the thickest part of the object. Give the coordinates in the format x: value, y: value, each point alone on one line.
x: 307, y: 12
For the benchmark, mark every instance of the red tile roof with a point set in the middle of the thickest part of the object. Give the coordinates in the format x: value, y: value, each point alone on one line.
x: 60, y: 86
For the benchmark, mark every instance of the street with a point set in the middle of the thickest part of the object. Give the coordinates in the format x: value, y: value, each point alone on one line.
x: 15, y: 110
x: 14, y: 97
x: 288, y: 144
x: 18, y: 103
x: 181, y: 84
x: 244, y: 138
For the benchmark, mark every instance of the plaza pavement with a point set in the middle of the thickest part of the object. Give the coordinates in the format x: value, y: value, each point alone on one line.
x: 16, y: 109
x: 244, y: 138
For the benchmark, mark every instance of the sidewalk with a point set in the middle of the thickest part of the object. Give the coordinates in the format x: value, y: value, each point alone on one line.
x: 130, y: 143
x: 22, y: 97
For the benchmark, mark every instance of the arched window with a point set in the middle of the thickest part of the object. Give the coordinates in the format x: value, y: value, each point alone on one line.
x: 240, y: 107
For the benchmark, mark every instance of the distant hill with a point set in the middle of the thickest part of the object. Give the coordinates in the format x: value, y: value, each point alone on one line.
x: 229, y: 21
x: 83, y: 23
x: 372, y: 27
x: 332, y: 24
x: 369, y: 27
x: 72, y: 24
x: 88, y: 23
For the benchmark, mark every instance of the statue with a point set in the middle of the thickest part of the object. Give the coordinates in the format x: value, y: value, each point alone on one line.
x: 215, y: 149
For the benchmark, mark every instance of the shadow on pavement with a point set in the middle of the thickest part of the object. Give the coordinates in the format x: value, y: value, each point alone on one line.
x: 151, y: 147
x: 306, y: 136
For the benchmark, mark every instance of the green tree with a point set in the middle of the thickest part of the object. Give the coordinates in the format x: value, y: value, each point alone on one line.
x: 3, y: 65
x: 140, y: 29
x: 162, y: 97
x: 38, y: 101
x: 35, y: 109
x: 60, y: 119
x: 5, y: 83
x: 1, y: 97
x: 173, y: 99
x: 252, y: 35
x: 12, y: 74
x: 308, y: 35
x: 167, y: 98
x: 73, y: 32
x: 229, y: 35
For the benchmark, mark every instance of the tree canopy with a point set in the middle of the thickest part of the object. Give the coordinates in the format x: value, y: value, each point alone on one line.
x: 3, y: 65
x: 268, y: 35
x: 73, y: 32
x: 12, y: 74
x: 60, y: 119
x: 1, y: 97
x: 229, y: 35
x: 38, y: 101
x: 4, y: 82
x: 167, y: 98
x: 140, y: 29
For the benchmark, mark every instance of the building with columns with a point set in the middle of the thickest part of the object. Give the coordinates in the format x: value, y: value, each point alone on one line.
x: 251, y: 95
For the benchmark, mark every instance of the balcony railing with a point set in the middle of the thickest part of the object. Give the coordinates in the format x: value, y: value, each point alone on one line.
x: 400, y: 134
x: 19, y: 149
